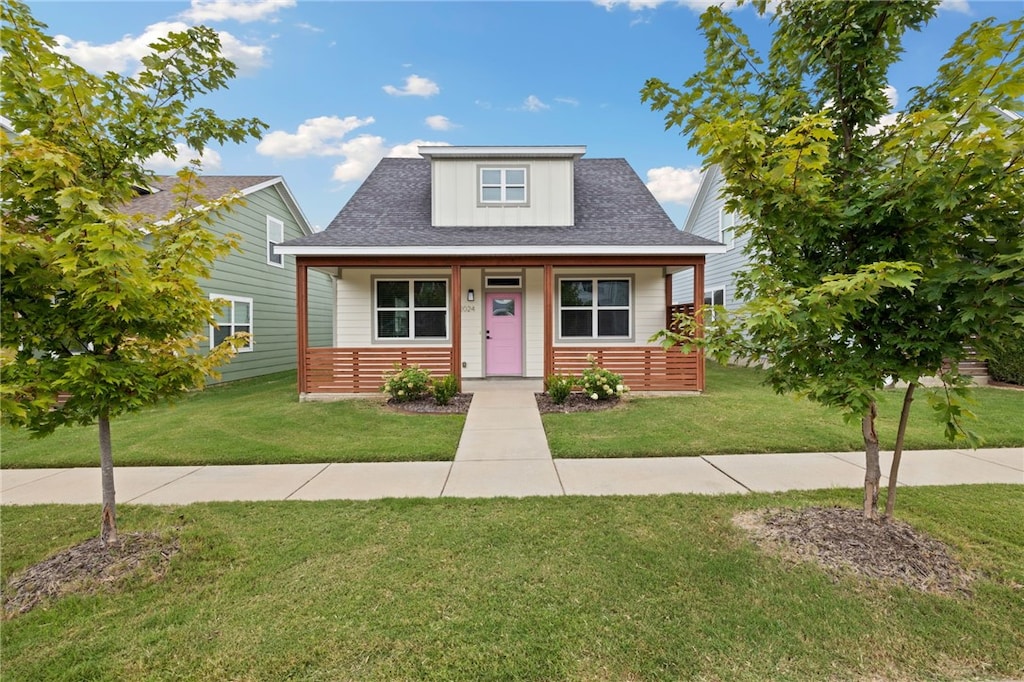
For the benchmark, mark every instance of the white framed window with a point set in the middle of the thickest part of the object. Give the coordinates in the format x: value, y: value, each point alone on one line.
x: 411, y: 308
x: 275, y: 235
x: 499, y: 185
x: 595, y: 308
x: 726, y: 227
x: 235, y: 316
x: 714, y: 297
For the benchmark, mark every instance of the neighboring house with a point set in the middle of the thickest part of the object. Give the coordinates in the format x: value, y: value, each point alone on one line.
x: 498, y: 262
x: 709, y: 218
x: 256, y: 282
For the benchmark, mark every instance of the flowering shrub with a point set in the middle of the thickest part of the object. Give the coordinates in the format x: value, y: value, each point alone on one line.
x: 406, y: 383
x: 444, y: 389
x: 559, y: 387
x: 602, y: 384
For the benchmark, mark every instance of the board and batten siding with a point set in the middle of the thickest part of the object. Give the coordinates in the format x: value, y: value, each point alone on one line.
x: 245, y: 272
x: 456, y: 185
x: 719, y: 268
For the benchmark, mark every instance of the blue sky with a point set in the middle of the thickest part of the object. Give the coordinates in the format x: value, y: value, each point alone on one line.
x: 342, y: 84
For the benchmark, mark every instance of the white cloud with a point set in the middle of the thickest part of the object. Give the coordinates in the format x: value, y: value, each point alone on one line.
x: 234, y: 10
x: 639, y: 5
x: 571, y: 101
x: 674, y: 185
x: 161, y: 163
x: 362, y: 154
x: 414, y: 85
x: 960, y: 6
x: 438, y: 122
x: 533, y: 103
x: 125, y: 54
x: 320, y: 136
x: 892, y: 95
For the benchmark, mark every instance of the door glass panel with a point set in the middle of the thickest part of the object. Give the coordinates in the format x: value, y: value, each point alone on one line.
x: 503, y: 307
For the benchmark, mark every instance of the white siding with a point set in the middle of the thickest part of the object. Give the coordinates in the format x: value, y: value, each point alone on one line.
x: 719, y: 268
x: 355, y: 323
x: 472, y: 324
x: 533, y: 332
x: 455, y: 184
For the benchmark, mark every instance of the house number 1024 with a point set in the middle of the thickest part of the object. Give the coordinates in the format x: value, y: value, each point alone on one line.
x: 469, y: 308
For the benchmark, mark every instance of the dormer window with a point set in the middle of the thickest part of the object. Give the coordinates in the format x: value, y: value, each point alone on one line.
x: 503, y: 185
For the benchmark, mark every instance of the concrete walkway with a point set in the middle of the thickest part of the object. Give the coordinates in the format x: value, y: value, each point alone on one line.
x: 503, y: 453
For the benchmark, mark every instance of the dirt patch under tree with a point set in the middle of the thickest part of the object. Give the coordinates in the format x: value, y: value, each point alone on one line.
x: 843, y: 542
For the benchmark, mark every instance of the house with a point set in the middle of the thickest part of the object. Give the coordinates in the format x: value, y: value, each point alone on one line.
x: 490, y: 262
x: 256, y: 283
x: 709, y: 218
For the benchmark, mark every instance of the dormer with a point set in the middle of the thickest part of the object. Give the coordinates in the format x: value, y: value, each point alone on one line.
x: 501, y: 186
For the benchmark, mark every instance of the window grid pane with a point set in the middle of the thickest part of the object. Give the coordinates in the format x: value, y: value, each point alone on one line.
x: 606, y: 315
x: 411, y: 309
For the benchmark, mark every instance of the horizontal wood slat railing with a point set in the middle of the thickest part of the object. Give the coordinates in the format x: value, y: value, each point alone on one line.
x: 672, y: 311
x: 643, y: 368
x: 361, y: 370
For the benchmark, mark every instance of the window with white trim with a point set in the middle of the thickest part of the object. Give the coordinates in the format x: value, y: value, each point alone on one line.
x: 714, y: 297
x: 275, y: 235
x: 594, y: 308
x: 726, y: 227
x: 411, y: 308
x: 503, y: 185
x: 235, y: 316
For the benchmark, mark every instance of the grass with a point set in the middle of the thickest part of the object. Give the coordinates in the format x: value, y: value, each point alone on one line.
x: 260, y: 421
x: 257, y: 421
x: 737, y: 415
x: 543, y: 588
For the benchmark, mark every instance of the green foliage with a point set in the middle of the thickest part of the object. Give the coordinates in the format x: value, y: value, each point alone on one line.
x: 98, y: 304
x: 1006, y: 363
x: 878, y: 249
x: 444, y: 389
x: 602, y: 384
x: 559, y: 386
x: 406, y: 383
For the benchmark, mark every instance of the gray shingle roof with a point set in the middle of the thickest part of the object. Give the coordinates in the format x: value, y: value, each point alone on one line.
x: 391, y: 208
x: 158, y: 204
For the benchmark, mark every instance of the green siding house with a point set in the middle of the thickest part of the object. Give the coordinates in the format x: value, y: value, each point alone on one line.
x: 257, y: 284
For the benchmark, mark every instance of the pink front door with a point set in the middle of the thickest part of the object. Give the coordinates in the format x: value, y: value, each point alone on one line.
x: 504, y: 350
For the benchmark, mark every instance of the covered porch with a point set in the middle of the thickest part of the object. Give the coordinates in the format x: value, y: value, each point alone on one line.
x: 356, y: 365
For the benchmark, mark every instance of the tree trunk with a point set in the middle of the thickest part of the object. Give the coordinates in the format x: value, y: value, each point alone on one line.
x: 872, y: 469
x: 108, y: 522
x: 894, y: 470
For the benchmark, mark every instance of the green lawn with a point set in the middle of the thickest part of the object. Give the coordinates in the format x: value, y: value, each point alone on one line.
x: 260, y: 421
x: 642, y: 588
x: 257, y: 421
x: 738, y: 415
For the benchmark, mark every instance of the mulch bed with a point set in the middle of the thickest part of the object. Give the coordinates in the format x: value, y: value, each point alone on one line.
x: 89, y: 568
x: 459, y: 404
x: 843, y: 542
x: 576, y: 402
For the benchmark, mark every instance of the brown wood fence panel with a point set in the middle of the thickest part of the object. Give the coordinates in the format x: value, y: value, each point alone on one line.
x: 643, y: 368
x: 361, y: 370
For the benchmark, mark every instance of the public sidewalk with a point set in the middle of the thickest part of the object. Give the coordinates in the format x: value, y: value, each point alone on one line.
x: 503, y: 452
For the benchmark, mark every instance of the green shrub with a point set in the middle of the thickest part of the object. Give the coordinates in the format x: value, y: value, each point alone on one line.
x: 1007, y: 363
x: 406, y: 383
x: 444, y: 389
x: 602, y: 384
x: 559, y: 387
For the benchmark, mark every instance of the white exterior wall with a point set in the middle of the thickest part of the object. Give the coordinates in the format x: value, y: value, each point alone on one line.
x: 455, y: 183
x: 533, y: 332
x: 472, y: 324
x: 719, y: 268
x: 354, y: 323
